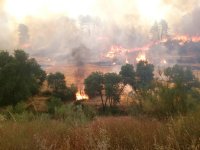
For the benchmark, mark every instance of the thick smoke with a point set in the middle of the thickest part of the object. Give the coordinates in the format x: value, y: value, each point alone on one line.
x: 190, y: 23
x: 80, y: 55
x: 7, y: 36
x: 23, y: 34
x: 65, y: 39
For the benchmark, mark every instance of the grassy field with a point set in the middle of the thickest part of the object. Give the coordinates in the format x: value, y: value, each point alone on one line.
x: 101, y: 133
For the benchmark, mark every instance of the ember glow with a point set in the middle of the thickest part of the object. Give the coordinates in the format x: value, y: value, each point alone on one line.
x: 152, y: 9
x: 186, y: 38
x: 141, y: 57
x: 116, y: 50
x: 20, y: 9
x: 163, y: 62
x: 80, y: 95
x: 102, y: 33
x: 127, y: 61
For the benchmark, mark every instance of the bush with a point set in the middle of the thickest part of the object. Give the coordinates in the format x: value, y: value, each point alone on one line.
x: 165, y: 101
x: 19, y: 108
x: 53, y: 104
x: 89, y: 111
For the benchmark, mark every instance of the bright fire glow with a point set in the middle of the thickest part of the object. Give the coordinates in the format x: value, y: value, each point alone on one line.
x: 164, y: 61
x: 141, y: 57
x: 116, y: 50
x: 41, y: 8
x: 80, y: 95
x: 152, y: 9
x: 127, y: 61
x: 185, y: 38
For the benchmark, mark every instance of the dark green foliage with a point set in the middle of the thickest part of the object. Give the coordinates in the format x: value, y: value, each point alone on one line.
x: 181, y: 77
x: 71, y: 92
x: 107, y: 86
x: 20, y: 108
x: 144, y: 75
x: 94, y: 84
x: 112, y: 87
x: 53, y: 104
x: 177, y: 95
x: 57, y: 83
x: 20, y: 77
x: 89, y: 111
x: 128, y: 74
x: 182, y: 96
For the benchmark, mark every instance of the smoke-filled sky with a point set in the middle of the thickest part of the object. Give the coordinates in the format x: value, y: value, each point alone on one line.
x: 57, y: 28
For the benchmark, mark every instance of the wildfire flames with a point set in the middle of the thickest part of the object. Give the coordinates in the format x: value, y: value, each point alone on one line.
x: 185, y: 38
x: 80, y: 95
x: 141, y: 57
x: 117, y: 51
x: 164, y: 61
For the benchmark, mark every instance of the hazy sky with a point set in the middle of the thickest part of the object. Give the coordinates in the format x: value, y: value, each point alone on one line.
x: 56, y: 27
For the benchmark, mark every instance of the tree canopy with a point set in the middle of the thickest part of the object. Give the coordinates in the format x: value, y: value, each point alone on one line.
x: 144, y: 75
x: 56, y: 81
x: 128, y: 74
x: 181, y: 76
x: 94, y: 84
x: 20, y: 77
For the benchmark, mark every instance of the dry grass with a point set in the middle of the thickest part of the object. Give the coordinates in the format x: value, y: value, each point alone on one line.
x: 102, y: 133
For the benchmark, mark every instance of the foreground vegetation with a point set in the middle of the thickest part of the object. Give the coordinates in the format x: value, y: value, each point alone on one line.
x: 102, y: 133
x: 164, y: 111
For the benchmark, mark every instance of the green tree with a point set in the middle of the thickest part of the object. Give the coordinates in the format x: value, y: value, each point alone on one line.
x: 94, y: 86
x: 108, y: 87
x: 20, y: 77
x: 127, y: 74
x: 184, y: 83
x: 181, y: 77
x: 144, y: 75
x: 56, y: 81
x: 113, y: 87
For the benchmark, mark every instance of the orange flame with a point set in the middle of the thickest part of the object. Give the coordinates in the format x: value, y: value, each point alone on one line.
x: 141, y: 57
x: 186, y: 38
x: 116, y: 50
x: 80, y: 95
x: 126, y: 61
x: 163, y: 62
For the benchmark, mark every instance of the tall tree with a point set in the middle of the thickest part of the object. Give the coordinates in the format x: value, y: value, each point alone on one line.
x: 113, y: 87
x: 144, y: 75
x: 163, y: 29
x: 20, y: 77
x: 56, y: 81
x: 182, y: 77
x: 155, y: 32
x: 94, y: 86
x: 127, y: 74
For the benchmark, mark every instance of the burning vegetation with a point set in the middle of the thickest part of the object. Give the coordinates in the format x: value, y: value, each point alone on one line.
x: 110, y: 79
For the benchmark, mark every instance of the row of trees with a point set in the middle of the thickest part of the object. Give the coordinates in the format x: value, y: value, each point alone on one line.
x: 22, y: 77
x: 56, y: 82
x: 172, y: 91
x: 110, y: 86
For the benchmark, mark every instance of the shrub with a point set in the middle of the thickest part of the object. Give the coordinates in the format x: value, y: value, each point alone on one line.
x: 53, y: 104
x: 19, y: 108
x: 89, y: 111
